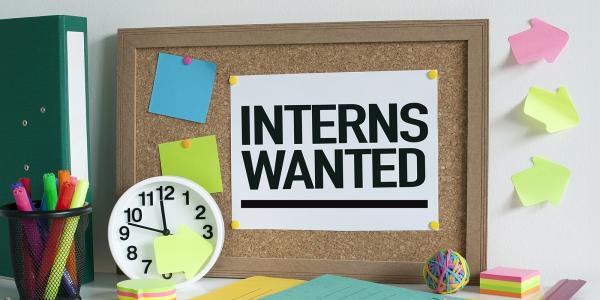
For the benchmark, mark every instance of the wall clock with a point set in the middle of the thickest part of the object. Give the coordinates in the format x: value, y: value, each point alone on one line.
x: 166, y: 227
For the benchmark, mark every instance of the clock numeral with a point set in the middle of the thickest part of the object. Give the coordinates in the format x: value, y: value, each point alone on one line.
x: 187, y: 197
x: 167, y: 276
x: 202, y: 209
x: 124, y: 231
x: 209, y: 234
x: 167, y: 192
x: 133, y: 214
x: 150, y: 197
x: 132, y: 253
x: 147, y: 262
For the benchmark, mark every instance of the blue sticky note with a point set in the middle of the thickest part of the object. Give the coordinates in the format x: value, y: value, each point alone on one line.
x: 336, y: 287
x: 182, y: 91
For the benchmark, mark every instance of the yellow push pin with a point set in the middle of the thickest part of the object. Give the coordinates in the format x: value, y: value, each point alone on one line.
x: 232, y: 80
x: 235, y: 224
x: 434, y: 225
x: 186, y: 143
x: 433, y: 74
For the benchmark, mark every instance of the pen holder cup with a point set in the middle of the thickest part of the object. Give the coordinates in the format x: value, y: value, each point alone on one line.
x: 47, y: 250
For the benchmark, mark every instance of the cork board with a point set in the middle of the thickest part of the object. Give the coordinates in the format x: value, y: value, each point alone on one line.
x: 458, y: 49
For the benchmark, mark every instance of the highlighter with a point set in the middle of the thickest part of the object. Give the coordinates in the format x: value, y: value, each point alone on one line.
x: 50, y: 191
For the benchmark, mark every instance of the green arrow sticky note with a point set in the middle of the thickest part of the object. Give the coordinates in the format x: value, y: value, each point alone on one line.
x: 195, y: 159
x: 545, y: 181
x: 185, y: 252
x: 555, y: 110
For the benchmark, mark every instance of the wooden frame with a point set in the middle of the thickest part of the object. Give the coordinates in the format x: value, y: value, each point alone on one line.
x: 473, y: 32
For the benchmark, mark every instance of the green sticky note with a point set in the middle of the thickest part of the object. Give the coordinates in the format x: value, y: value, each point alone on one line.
x: 195, y: 159
x: 186, y: 251
x: 555, y: 110
x: 545, y: 181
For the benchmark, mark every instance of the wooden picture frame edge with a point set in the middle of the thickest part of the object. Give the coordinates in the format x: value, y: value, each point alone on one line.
x: 475, y: 32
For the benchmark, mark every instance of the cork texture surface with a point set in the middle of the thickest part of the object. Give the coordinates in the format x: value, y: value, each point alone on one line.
x: 449, y: 58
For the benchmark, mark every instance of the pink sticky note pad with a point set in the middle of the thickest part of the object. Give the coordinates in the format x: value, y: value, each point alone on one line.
x: 509, y: 274
x: 541, y: 41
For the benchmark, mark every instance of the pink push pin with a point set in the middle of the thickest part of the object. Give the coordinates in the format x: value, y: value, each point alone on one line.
x: 187, y: 60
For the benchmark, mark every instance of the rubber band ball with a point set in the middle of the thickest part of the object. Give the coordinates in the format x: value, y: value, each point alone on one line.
x: 446, y: 272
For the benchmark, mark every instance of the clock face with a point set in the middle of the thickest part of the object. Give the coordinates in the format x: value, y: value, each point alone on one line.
x: 137, y: 221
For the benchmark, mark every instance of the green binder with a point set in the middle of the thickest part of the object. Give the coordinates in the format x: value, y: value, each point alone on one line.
x: 43, y: 90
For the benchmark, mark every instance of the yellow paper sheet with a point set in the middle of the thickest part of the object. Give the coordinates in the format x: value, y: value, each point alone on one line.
x: 251, y: 288
x: 555, y: 110
x: 545, y: 181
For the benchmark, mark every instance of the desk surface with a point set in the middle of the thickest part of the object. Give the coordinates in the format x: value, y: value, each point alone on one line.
x: 104, y: 288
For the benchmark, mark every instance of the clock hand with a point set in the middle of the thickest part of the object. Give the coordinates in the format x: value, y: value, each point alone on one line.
x: 164, y: 219
x: 164, y: 232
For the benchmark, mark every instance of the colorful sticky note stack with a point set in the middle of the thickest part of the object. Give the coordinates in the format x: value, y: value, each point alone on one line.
x: 146, y: 289
x: 509, y: 282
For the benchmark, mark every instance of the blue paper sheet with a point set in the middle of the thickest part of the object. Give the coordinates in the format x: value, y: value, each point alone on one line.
x: 182, y: 91
x: 332, y: 287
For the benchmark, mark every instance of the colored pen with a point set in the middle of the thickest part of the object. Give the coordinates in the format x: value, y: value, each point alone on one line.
x: 50, y: 191
x: 78, y: 201
x: 80, y: 193
x: 71, y: 260
x: 54, y: 234
x: 66, y: 241
x: 66, y: 194
x: 32, y: 249
x: 26, y: 184
x: 63, y: 176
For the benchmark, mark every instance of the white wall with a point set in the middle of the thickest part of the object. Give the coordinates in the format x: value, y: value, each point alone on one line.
x: 560, y: 241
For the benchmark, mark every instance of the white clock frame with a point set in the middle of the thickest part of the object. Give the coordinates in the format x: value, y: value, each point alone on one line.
x: 131, y: 193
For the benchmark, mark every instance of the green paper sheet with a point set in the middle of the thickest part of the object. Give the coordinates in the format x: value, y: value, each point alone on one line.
x: 555, y: 110
x: 545, y: 181
x: 336, y: 287
x: 199, y: 162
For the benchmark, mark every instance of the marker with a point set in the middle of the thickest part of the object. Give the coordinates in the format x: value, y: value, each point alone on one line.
x: 33, y: 244
x: 66, y: 241
x: 50, y: 191
x: 26, y: 184
x: 21, y: 197
x: 56, y: 228
x: 63, y: 176
x: 78, y: 201
x: 66, y: 194
x: 80, y: 193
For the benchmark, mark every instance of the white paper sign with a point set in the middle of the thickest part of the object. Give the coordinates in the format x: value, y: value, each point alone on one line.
x: 335, y: 151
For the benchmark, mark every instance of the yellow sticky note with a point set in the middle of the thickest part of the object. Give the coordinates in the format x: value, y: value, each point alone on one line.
x: 555, y: 110
x: 251, y: 288
x: 186, y: 251
x: 197, y: 159
x: 545, y: 181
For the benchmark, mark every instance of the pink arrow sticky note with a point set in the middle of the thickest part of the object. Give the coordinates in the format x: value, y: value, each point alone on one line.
x: 541, y: 41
